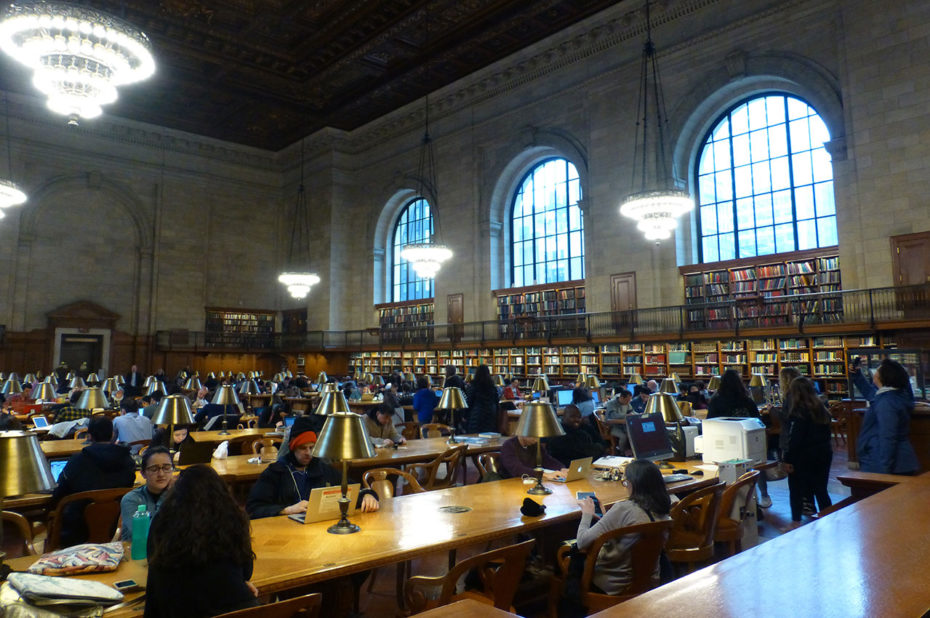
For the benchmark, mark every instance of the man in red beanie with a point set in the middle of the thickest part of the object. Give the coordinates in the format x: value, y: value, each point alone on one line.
x: 284, y: 487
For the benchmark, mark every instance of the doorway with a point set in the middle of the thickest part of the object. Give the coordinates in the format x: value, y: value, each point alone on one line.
x: 76, y: 350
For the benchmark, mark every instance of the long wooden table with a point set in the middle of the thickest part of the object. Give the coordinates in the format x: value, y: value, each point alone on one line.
x: 216, y: 437
x: 61, y: 449
x: 868, y: 559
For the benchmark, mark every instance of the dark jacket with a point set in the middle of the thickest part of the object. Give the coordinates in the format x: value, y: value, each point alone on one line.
x: 517, y: 460
x: 806, y: 442
x: 723, y: 405
x: 456, y: 381
x: 482, y: 410
x: 100, y: 465
x: 884, y: 440
x: 276, y: 489
x: 575, y: 444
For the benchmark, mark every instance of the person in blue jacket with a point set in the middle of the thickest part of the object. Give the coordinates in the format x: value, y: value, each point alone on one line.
x: 884, y: 444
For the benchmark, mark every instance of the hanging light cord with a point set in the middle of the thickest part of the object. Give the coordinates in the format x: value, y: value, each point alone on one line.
x: 300, y: 230
x: 426, y: 166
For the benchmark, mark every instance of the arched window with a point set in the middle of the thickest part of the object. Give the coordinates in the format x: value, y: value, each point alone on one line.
x: 765, y: 181
x: 414, y: 225
x: 548, y: 234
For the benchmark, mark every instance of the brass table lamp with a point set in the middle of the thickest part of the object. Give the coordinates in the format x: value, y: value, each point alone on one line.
x: 332, y: 402
x: 329, y: 387
x: 44, y: 392
x: 665, y: 404
x: 93, y: 399
x: 452, y: 399
x: 342, y: 438
x: 635, y: 378
x: 173, y: 410
x: 11, y: 386
x: 499, y: 380
x: 714, y: 383
x: 226, y: 396
x: 110, y: 386
x: 193, y: 384
x: 592, y: 382
x: 669, y: 386
x: 541, y: 386
x: 157, y: 386
x: 322, y: 378
x: 249, y: 387
x: 538, y: 420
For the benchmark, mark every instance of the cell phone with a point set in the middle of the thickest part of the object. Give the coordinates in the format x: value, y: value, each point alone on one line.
x: 127, y: 585
x: 581, y: 495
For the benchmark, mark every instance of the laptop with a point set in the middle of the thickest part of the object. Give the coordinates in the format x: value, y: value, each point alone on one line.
x: 40, y: 422
x: 323, y: 504
x: 564, y: 397
x: 196, y: 453
x: 577, y: 470
x: 57, y: 465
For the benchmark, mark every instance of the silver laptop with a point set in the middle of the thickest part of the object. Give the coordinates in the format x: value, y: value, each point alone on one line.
x: 323, y: 504
x: 577, y: 470
x: 40, y: 422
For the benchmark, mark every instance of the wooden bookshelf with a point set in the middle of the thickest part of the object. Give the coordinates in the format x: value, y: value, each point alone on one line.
x: 563, y: 299
x: 237, y: 327
x: 406, y: 320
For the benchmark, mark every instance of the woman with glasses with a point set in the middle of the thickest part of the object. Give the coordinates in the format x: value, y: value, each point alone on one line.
x: 158, y: 472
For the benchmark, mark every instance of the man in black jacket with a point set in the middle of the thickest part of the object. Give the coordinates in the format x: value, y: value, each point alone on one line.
x: 579, y: 440
x: 101, y: 465
x: 284, y: 487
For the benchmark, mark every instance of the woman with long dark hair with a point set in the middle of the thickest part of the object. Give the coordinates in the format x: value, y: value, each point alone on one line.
x: 199, y: 550
x: 582, y: 399
x: 808, y: 452
x: 649, y: 501
x: 483, y: 402
x: 884, y: 440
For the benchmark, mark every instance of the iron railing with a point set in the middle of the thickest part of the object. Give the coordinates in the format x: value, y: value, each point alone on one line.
x: 859, y: 309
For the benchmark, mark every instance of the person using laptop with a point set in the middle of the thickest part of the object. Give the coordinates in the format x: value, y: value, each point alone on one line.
x: 640, y: 399
x: 616, y: 410
x: 580, y: 439
x: 284, y: 487
x: 7, y: 418
x: 582, y: 399
x: 379, y: 422
x: 518, y: 458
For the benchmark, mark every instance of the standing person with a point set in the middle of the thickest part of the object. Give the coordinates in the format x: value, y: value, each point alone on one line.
x: 483, y: 403
x: 786, y: 376
x: 808, y: 452
x: 157, y: 470
x: 424, y: 401
x: 731, y: 399
x: 452, y: 378
x: 649, y: 501
x: 134, y: 381
x: 201, y: 568
x: 884, y: 440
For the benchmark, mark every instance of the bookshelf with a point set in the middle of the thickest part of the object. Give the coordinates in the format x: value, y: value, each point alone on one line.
x: 755, y: 286
x: 237, y: 327
x: 410, y: 319
x: 564, y: 299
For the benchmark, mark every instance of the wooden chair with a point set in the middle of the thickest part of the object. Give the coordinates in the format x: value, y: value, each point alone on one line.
x: 500, y: 571
x: 434, y: 430
x: 730, y: 529
x: 838, y: 416
x: 142, y: 444
x: 101, y: 514
x: 695, y: 523
x: 260, y: 444
x: 410, y: 430
x: 81, y: 434
x: 488, y: 463
x: 644, y: 557
x: 604, y: 429
x: 384, y: 482
x: 24, y: 531
x: 428, y: 473
x: 307, y: 606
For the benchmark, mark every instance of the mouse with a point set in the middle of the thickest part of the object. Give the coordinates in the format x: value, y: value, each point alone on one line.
x: 698, y: 473
x: 681, y: 471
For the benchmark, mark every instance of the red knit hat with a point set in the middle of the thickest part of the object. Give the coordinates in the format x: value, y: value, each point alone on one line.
x: 305, y: 437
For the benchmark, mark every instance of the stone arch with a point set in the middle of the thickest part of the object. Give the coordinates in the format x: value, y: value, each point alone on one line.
x: 400, y: 194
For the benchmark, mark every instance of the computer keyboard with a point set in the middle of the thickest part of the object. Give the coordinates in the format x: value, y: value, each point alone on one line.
x: 676, y: 478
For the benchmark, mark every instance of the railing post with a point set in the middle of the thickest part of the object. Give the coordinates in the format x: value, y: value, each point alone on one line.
x: 681, y: 321
x: 587, y: 327
x: 871, y: 310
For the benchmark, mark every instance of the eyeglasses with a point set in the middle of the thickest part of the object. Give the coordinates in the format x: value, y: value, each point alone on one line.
x: 161, y: 468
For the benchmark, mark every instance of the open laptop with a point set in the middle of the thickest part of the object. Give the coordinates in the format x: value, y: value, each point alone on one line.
x: 57, y: 465
x: 577, y: 469
x: 196, y: 453
x: 40, y: 422
x: 323, y: 504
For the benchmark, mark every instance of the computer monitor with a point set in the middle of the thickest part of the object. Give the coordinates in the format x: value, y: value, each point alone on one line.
x: 564, y: 397
x: 631, y: 388
x: 648, y: 437
x: 57, y: 466
x: 289, y: 421
x: 596, y: 397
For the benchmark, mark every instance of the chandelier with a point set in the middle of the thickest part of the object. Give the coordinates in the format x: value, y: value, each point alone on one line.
x: 297, y: 278
x: 79, y: 56
x: 10, y: 194
x: 657, y: 207
x: 426, y: 258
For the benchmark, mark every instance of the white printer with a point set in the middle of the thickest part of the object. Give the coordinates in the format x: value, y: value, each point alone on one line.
x: 729, y: 438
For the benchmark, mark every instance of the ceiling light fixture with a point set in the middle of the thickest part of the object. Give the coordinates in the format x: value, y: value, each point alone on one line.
x: 656, y: 207
x: 79, y: 56
x: 426, y: 258
x: 298, y: 277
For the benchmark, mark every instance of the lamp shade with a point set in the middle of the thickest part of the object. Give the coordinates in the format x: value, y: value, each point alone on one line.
x: 211, y: 376
x: 332, y: 402
x: 120, y: 380
x: 149, y: 381
x: 684, y: 407
x: 239, y: 376
x: 23, y: 467
x: 379, y: 380
x: 592, y: 382
x: 222, y: 375
x: 173, y: 410
x: 226, y: 396
x: 30, y: 378
x: 93, y: 379
x: 452, y: 399
x: 757, y: 381
x: 44, y: 392
x: 156, y: 387
x: 249, y: 387
x: 69, y: 376
x: 669, y: 386
x: 664, y: 404
x: 714, y: 383
x: 53, y: 379
x: 636, y: 379
x: 322, y: 378
x: 329, y: 387
x: 675, y: 377
x: 369, y: 377
x: 193, y: 384
x: 289, y: 373
x: 110, y: 386
x: 541, y: 384
x: 538, y: 420
x: 11, y: 386
x: 498, y: 380
x: 77, y: 382
x: 343, y: 437
x: 93, y: 399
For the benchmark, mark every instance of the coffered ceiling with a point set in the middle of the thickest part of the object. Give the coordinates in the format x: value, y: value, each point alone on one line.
x: 267, y: 72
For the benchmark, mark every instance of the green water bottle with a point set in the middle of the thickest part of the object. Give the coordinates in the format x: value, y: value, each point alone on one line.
x: 140, y: 533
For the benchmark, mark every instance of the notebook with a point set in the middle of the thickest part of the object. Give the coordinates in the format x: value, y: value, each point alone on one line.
x: 323, y: 504
x: 577, y: 470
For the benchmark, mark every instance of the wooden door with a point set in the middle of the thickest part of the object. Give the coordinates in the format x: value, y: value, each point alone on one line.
x: 623, y: 299
x: 910, y: 254
x: 455, y: 314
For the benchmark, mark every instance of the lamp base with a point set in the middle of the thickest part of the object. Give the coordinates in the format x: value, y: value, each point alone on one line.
x: 343, y: 527
x: 539, y: 488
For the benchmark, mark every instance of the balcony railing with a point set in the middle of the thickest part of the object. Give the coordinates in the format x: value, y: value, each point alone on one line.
x: 859, y: 309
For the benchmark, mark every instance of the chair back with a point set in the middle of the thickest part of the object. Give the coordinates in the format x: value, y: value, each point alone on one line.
x: 410, y: 430
x: 101, y: 515
x: 386, y: 482
x: 429, y: 472
x: 266, y: 447
x: 488, y: 463
x: 434, y: 430
x: 695, y: 521
x: 307, y: 606
x: 745, y: 482
x: 500, y: 571
x: 25, y: 543
x: 604, y: 429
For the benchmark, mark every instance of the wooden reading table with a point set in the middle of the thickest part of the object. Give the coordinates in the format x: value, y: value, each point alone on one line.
x: 62, y: 449
x: 234, y: 434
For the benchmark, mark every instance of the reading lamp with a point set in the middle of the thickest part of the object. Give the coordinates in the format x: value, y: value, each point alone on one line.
x: 322, y: 378
x: 329, y: 387
x: 53, y: 379
x: 757, y: 386
x: 332, y: 402
x: 93, y: 379
x: 23, y: 470
x: 498, y: 380
x: 452, y: 399
x: 592, y: 382
x: 77, y: 382
x: 714, y: 383
x: 193, y: 384
x: 30, y: 378
x: 635, y: 379
x: 93, y: 399
x: 226, y: 396
x: 157, y: 386
x: 538, y: 420
x: 342, y: 438
x: 110, y: 386
x: 249, y: 387
x: 541, y: 385
x: 119, y: 379
x: 669, y: 386
x: 11, y: 387
x: 173, y: 410
x: 149, y: 381
x: 44, y: 392
x: 665, y: 404
x: 675, y: 377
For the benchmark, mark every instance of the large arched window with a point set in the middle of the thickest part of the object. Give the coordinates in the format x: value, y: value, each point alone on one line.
x: 414, y: 225
x: 765, y: 181
x: 548, y: 234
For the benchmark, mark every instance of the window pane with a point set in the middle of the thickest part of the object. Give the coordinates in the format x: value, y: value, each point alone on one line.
x: 757, y: 117
x: 765, y: 239
x: 727, y: 247
x: 801, y: 165
x: 761, y: 180
x: 807, y: 235
x: 744, y: 214
x: 784, y: 237
x: 823, y: 166
x: 709, y: 220
x: 741, y: 150
x: 763, y: 208
x: 724, y: 188
x: 517, y: 231
x: 775, y: 108
x: 778, y: 141
x: 823, y: 197
x: 747, y: 243
x: 709, y: 247
x: 804, y: 202
x: 739, y: 120
x: 781, y: 202
x: 725, y: 217
x: 800, y: 137
x: 743, y: 177
x: 721, y: 155
x: 781, y: 177
x: 722, y: 131
x: 819, y: 133
x: 759, y: 145
x: 826, y: 230
x: 413, y: 225
x: 577, y: 266
x: 706, y: 192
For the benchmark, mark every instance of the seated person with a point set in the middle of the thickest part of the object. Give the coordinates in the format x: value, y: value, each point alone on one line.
x: 69, y: 411
x: 158, y: 472
x: 518, y: 457
x: 512, y: 390
x: 100, y: 465
x: 130, y: 426
x: 649, y: 501
x: 640, y: 399
x: 379, y: 422
x: 210, y: 410
x: 149, y: 404
x: 578, y: 442
x: 582, y: 398
x: 180, y: 437
x: 284, y: 487
x: 696, y: 397
x: 616, y: 411
x: 7, y: 417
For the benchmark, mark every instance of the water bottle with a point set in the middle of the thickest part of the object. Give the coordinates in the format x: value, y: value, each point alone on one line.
x: 140, y: 533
